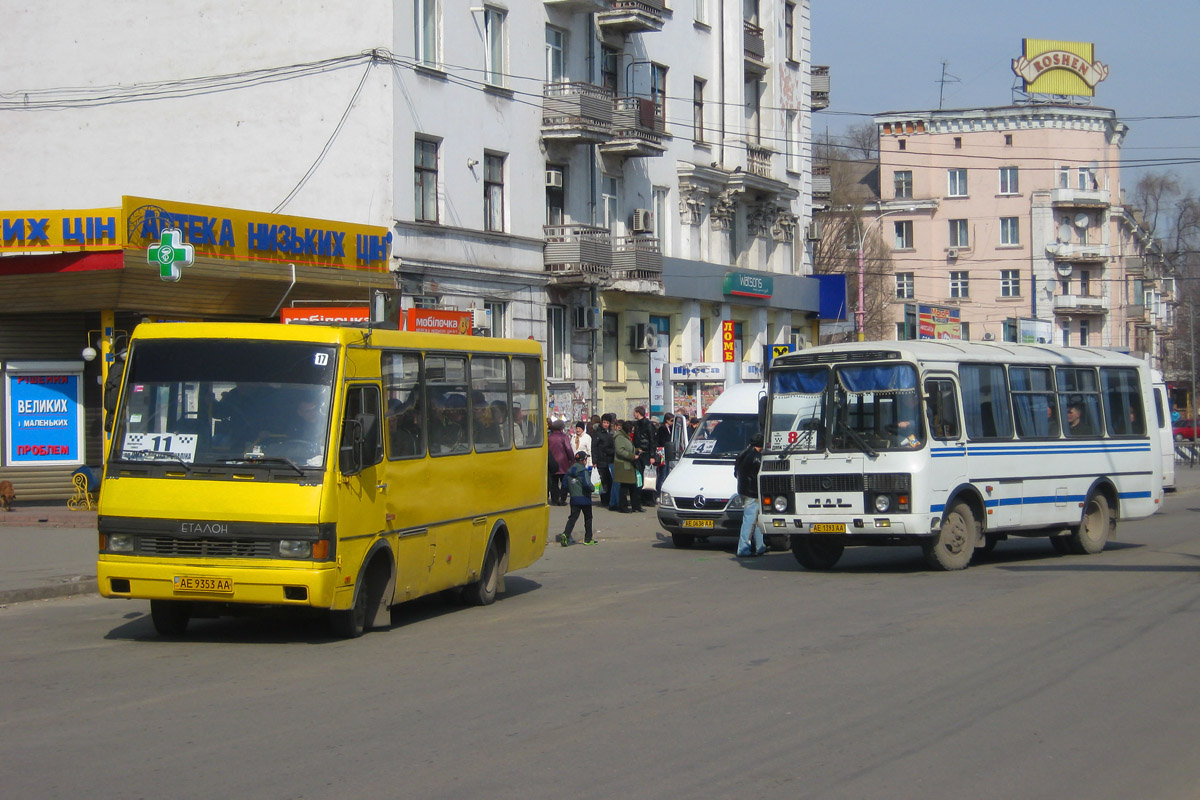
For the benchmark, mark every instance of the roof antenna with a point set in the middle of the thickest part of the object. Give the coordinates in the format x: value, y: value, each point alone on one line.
x: 946, y: 78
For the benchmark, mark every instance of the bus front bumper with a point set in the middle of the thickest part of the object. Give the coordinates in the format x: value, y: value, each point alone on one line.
x: 299, y: 584
x: 874, y: 526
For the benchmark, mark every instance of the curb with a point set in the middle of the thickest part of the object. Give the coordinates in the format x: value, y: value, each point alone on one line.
x: 76, y: 585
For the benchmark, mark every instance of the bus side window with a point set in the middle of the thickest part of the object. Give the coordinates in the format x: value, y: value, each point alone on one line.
x: 362, y: 417
x: 942, y: 408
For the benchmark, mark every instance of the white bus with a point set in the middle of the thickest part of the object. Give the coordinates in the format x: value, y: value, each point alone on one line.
x: 954, y: 446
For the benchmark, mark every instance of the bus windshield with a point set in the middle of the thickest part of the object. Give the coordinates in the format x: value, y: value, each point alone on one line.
x: 722, y: 436
x: 863, y: 408
x: 219, y: 402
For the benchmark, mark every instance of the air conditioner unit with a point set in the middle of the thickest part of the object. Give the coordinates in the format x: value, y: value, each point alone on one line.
x: 952, y: 253
x: 645, y: 337
x: 587, y: 318
x: 989, y: 337
x: 643, y: 220
x: 481, y: 318
x: 814, y: 231
x: 554, y: 179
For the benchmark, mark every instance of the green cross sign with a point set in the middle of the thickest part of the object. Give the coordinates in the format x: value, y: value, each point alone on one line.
x: 171, y: 254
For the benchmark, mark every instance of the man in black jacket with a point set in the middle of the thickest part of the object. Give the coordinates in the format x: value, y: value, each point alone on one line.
x: 643, y: 442
x: 745, y: 469
x: 603, y: 451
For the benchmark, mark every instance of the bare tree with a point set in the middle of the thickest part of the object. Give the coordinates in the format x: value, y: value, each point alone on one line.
x: 862, y: 141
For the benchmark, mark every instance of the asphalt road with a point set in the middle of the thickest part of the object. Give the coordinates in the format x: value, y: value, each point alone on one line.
x: 633, y: 669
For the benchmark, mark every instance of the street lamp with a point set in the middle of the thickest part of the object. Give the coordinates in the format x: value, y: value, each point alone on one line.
x: 860, y: 314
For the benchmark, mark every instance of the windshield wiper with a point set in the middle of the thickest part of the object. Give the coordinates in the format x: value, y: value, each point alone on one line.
x: 856, y: 437
x: 256, y: 459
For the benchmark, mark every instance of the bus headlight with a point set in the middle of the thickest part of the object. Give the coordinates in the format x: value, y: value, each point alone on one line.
x: 120, y: 542
x: 295, y: 548
x: 664, y: 499
x: 883, y: 503
x: 780, y: 503
x: 735, y: 503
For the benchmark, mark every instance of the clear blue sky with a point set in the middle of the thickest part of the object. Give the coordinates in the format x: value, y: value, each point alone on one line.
x: 887, y: 56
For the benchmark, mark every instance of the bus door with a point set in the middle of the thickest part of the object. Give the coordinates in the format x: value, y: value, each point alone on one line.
x: 947, y: 448
x: 361, y: 489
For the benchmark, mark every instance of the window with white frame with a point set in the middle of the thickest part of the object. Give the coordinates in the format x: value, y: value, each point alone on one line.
x: 905, y: 285
x: 1008, y: 181
x: 960, y: 284
x: 493, y: 192
x: 700, y: 11
x: 658, y: 93
x: 1010, y: 283
x: 1010, y: 231
x: 1084, y: 179
x: 1064, y: 177
x: 425, y: 28
x: 902, y: 181
x: 1085, y: 330
x: 697, y: 110
x: 499, y: 329
x: 556, y: 342
x: 425, y: 173
x: 494, y: 66
x: 956, y: 182
x: 660, y: 195
x: 789, y: 30
x: 610, y: 193
x: 792, y: 141
x: 958, y: 233
x: 904, y: 235
x: 556, y: 55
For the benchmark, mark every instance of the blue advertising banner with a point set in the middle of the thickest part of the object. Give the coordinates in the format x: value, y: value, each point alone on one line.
x: 43, y: 420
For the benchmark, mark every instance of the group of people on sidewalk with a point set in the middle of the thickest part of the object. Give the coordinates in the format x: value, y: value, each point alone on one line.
x: 619, y: 451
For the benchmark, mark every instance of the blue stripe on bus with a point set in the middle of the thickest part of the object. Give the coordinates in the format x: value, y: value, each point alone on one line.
x: 1033, y: 501
x: 1035, y: 450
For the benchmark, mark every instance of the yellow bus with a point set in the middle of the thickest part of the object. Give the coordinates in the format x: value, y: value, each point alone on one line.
x: 339, y: 468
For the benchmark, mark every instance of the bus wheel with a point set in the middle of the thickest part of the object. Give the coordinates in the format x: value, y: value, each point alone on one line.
x: 1095, y: 527
x: 817, y: 552
x: 954, y: 543
x: 351, y: 623
x: 170, y: 617
x: 682, y: 539
x: 483, y: 591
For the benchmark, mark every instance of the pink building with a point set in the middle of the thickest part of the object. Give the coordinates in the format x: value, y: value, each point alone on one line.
x: 1011, y: 221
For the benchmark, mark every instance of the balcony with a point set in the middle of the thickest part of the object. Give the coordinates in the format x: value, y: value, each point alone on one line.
x: 1081, y: 198
x: 1079, y: 253
x: 576, y: 113
x: 579, y: 6
x: 819, y: 87
x: 637, y: 258
x: 577, y: 251
x: 758, y: 160
x: 1079, y: 304
x: 637, y: 129
x: 632, y: 16
x: 756, y: 48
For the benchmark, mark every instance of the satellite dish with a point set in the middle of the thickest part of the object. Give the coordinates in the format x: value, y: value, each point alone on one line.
x: 1053, y: 248
x: 1064, y: 232
x: 1063, y: 270
x: 1082, y: 220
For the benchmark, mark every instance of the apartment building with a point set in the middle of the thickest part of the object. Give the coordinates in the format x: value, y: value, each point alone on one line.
x: 1010, y: 224
x: 621, y: 180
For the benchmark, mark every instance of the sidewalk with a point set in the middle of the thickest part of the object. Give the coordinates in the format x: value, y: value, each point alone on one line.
x: 49, y: 551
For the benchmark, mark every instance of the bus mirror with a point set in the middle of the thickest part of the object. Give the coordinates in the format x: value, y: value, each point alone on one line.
x: 350, y: 454
x: 762, y: 412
